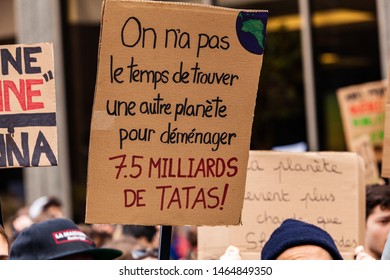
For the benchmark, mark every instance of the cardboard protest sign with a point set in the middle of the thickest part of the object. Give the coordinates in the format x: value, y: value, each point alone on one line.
x: 28, y: 132
x: 172, y: 114
x: 325, y: 188
x: 363, y: 112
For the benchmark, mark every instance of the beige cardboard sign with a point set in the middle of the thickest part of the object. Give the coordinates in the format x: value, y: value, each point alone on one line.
x: 363, y: 112
x: 325, y: 188
x: 28, y: 131
x: 172, y: 114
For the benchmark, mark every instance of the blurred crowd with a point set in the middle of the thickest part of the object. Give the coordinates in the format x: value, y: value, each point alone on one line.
x: 45, y: 215
x: 41, y: 231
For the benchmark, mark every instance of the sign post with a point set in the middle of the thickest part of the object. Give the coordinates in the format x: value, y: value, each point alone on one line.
x: 172, y: 113
x: 165, y: 243
x: 326, y: 189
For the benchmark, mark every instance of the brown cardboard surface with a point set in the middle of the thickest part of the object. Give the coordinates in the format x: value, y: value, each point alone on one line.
x: 363, y: 112
x: 325, y: 188
x: 28, y: 131
x: 168, y: 146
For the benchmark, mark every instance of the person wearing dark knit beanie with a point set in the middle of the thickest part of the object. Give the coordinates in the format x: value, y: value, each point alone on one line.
x: 299, y: 240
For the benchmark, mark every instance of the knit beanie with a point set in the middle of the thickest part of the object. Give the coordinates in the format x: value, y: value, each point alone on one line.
x: 292, y: 233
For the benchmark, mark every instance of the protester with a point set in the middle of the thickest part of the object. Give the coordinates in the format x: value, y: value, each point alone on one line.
x: 147, y: 241
x: 57, y: 239
x: 20, y: 221
x: 297, y: 240
x: 124, y: 243
x: 377, y: 222
x: 101, y: 233
x: 46, y: 207
x: 4, y: 244
x: 361, y: 254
